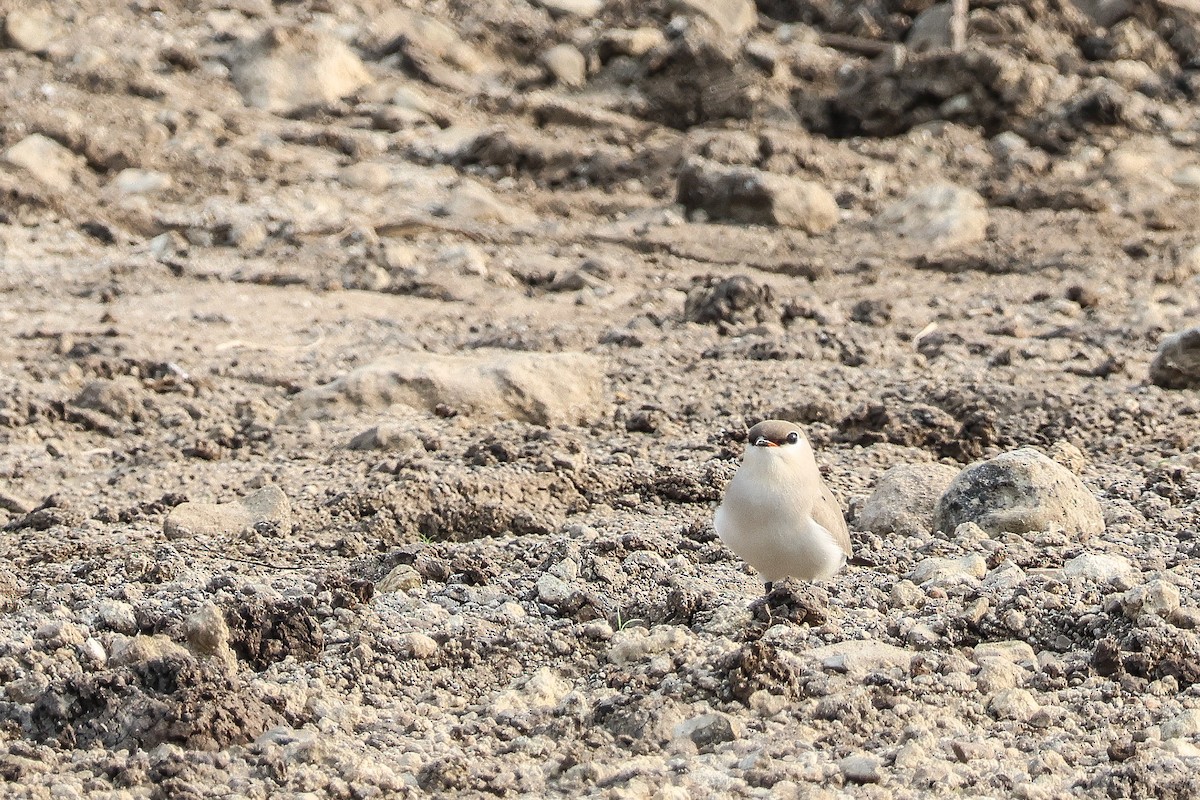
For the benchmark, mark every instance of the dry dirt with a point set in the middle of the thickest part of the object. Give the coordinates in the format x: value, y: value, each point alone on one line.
x: 509, y: 585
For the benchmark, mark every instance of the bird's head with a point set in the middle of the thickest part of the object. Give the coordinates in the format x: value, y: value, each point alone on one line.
x: 777, y: 439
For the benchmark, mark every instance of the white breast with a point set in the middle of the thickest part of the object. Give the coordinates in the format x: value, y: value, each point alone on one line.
x: 766, y: 522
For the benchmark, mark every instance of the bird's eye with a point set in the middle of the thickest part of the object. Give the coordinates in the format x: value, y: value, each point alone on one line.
x: 793, y: 437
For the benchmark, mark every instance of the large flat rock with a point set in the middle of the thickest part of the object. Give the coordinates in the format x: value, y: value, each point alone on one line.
x: 540, y: 388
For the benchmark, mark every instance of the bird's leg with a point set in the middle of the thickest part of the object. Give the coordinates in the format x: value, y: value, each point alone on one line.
x: 766, y: 601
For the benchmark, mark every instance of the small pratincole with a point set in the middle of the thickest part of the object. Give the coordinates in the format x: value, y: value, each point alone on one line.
x: 778, y: 514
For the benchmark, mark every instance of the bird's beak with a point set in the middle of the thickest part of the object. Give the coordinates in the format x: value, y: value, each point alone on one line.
x: 763, y: 441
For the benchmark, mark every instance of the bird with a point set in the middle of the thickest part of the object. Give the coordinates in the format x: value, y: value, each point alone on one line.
x: 778, y: 514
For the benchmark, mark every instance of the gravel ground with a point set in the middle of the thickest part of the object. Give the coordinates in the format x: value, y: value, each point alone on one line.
x: 370, y: 374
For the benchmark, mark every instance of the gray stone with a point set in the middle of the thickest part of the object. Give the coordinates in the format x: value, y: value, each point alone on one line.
x: 287, y: 69
x: 922, y: 637
x: 860, y: 656
x: 402, y: 578
x: 732, y: 17
x: 554, y: 591
x: 751, y: 196
x: 1176, y: 365
x: 939, y: 217
x: 1100, y: 568
x: 541, y: 388
x: 930, y: 30
x: 861, y: 768
x: 44, y: 160
x: 707, y: 730
x: 566, y: 64
x: 948, y: 572
x: 30, y: 29
x: 1105, y: 13
x: 141, y: 181
x: 904, y: 499
x: 115, y: 615
x: 1181, y: 725
x: 267, y: 506
x: 572, y: 8
x: 417, y: 646
x: 1156, y: 598
x: 1019, y: 492
x: 1013, y: 704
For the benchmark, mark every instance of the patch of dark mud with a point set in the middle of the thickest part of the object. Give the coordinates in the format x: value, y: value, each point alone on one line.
x: 1163, y: 779
x: 483, y: 503
x: 728, y: 302
x: 958, y: 427
x: 346, y: 591
x: 758, y: 665
x: 170, y: 699
x: 264, y: 632
x: 792, y: 601
x: 1149, y: 654
x: 684, y: 602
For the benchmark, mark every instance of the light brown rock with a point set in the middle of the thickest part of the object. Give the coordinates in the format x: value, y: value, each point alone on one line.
x: 292, y: 68
x: 542, y: 388
x: 268, y: 505
x: 904, y: 499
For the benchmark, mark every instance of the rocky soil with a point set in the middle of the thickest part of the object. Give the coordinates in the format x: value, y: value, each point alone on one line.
x: 369, y: 373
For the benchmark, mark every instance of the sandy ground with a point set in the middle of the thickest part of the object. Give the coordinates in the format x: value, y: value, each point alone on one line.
x: 369, y: 375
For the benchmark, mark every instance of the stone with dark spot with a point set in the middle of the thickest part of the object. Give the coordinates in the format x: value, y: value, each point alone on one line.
x: 707, y: 730
x: 1176, y: 365
x: 1019, y: 492
x: 751, y: 196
